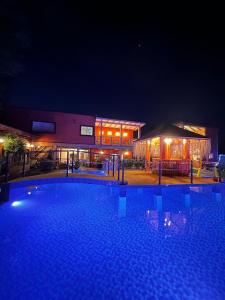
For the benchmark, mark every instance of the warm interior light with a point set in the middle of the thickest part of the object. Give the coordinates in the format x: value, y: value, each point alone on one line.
x: 109, y: 133
x: 126, y: 153
x: 101, y: 152
x: 125, y: 134
x: 117, y: 134
x: 168, y: 141
x: 184, y: 141
x: 1, y: 140
x: 28, y: 145
x: 32, y: 145
x: 100, y: 132
x: 148, y: 141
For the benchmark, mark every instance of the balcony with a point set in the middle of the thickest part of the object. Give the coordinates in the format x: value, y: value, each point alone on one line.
x: 114, y: 141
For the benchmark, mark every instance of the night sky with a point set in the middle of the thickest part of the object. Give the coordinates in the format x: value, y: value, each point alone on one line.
x: 132, y: 62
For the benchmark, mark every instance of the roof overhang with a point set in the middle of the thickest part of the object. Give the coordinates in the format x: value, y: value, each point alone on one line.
x: 113, y: 123
x: 5, y: 129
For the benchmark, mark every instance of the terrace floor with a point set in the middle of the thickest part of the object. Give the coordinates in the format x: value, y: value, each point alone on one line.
x: 133, y: 177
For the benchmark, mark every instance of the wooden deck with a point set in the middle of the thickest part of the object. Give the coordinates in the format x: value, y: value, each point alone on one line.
x: 133, y: 177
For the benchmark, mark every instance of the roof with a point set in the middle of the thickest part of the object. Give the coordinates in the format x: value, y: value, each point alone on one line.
x: 8, y: 129
x: 133, y: 125
x: 171, y: 131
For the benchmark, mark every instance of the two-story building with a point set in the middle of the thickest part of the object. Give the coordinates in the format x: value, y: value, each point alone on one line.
x: 68, y: 131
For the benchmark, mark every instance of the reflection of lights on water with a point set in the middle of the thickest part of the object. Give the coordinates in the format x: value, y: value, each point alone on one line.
x: 167, y: 222
x: 16, y: 203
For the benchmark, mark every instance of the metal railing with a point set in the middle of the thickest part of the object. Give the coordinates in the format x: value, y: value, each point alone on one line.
x: 162, y: 169
x: 113, y: 141
x: 14, y: 165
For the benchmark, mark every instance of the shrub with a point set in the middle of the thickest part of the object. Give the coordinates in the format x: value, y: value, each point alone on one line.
x: 13, y: 143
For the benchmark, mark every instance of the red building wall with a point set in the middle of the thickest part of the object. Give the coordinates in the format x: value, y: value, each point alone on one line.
x: 67, y: 125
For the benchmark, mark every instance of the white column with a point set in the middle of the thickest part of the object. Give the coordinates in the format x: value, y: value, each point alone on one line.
x: 139, y: 132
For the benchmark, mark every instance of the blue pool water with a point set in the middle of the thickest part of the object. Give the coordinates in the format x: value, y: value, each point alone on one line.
x: 93, y: 241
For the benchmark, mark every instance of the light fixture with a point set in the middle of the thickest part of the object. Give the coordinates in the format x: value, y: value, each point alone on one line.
x: 117, y: 133
x: 168, y: 141
x: 1, y: 140
x: 184, y: 141
x: 16, y: 203
x: 148, y: 142
x: 101, y: 152
x: 32, y: 145
x: 125, y: 134
x: 109, y: 133
x: 126, y: 153
x: 28, y: 145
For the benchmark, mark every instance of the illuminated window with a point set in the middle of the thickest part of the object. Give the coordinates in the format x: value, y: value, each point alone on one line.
x: 125, y: 134
x: 117, y: 134
x: 109, y: 133
x: 86, y: 130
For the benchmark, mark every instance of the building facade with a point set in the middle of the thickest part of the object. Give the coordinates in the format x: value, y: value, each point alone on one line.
x: 178, y: 142
x: 67, y: 131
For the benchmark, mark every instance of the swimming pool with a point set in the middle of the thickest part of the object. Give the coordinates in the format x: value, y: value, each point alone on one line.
x: 83, y: 240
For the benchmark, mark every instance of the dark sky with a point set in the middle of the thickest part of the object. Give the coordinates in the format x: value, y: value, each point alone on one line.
x: 132, y: 62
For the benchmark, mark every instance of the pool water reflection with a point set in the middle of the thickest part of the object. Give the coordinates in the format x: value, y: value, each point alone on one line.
x: 90, y: 241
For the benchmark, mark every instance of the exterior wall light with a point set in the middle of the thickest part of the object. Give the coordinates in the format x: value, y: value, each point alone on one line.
x: 168, y: 141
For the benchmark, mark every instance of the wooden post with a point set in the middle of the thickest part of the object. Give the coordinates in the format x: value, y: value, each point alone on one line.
x: 121, y: 134
x: 113, y: 168
x: 60, y: 155
x: 160, y: 171
x: 67, y: 164
x: 78, y: 154
x: 7, y: 167
x: 118, y: 168
x: 191, y: 167
x: 123, y: 171
x: 72, y: 168
x: 24, y: 163
x: 108, y: 165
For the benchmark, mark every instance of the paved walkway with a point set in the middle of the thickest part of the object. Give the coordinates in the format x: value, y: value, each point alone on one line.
x: 133, y: 177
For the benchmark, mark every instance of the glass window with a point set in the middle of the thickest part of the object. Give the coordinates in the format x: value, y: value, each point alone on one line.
x: 45, y: 127
x: 86, y: 130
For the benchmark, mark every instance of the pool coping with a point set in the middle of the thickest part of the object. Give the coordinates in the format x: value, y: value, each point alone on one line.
x: 39, y: 181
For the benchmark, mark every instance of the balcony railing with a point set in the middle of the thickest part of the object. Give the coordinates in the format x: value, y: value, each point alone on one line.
x: 113, y: 141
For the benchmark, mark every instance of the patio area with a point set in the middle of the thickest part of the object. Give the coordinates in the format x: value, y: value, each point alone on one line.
x: 132, y: 177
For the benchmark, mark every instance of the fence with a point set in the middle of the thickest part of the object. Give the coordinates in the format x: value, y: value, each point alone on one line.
x: 173, y: 171
x: 66, y: 162
x: 15, y: 165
